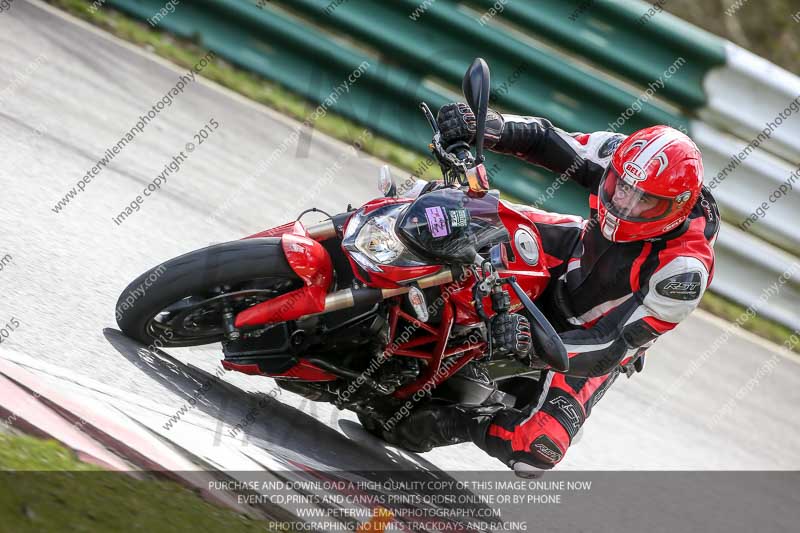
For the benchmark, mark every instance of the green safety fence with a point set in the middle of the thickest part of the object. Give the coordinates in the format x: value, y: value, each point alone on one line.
x: 628, y: 38
x: 443, y: 41
x: 311, y: 46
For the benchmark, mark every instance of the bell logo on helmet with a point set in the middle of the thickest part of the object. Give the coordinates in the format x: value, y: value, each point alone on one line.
x: 636, y: 172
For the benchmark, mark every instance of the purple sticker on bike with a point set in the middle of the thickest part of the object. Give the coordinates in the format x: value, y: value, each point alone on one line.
x: 437, y: 221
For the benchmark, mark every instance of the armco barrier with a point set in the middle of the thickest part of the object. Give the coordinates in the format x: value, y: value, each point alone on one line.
x: 747, y: 93
x: 444, y: 39
x: 616, y: 37
x: 740, y: 188
x: 749, y: 271
x: 544, y: 57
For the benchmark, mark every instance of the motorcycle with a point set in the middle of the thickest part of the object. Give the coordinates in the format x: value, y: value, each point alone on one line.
x: 374, y: 307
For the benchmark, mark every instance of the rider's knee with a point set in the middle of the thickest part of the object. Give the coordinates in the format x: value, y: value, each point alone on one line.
x: 540, y: 442
x: 546, y: 442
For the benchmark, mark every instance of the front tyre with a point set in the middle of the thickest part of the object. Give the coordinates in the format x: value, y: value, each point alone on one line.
x: 182, y: 301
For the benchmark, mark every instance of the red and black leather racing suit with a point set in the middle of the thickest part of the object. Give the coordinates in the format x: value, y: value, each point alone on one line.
x: 609, y: 301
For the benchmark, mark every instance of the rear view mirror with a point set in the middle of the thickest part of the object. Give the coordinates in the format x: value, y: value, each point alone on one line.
x: 476, y: 91
x: 386, y: 183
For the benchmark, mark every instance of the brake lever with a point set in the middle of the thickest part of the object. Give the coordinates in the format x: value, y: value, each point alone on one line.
x: 431, y: 119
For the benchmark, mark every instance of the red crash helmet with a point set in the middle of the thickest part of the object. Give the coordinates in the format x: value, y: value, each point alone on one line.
x: 651, y: 185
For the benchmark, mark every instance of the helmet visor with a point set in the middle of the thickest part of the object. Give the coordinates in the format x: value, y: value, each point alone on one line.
x: 625, y: 200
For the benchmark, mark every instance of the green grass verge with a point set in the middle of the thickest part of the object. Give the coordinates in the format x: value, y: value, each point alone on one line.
x: 44, y: 488
x: 187, y: 54
x: 27, y: 453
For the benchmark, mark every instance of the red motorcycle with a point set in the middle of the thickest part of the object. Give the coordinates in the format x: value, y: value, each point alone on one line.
x: 373, y: 307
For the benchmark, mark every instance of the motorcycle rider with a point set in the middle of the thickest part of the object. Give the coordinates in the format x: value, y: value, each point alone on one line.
x: 630, y: 273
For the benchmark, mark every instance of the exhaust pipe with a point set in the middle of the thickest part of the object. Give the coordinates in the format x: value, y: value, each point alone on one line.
x: 323, y: 231
x: 347, y: 298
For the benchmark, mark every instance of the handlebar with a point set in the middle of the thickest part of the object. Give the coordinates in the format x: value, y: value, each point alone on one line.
x: 455, y: 160
x: 462, y: 152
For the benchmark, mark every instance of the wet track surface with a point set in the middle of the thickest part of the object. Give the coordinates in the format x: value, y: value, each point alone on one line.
x: 70, y: 93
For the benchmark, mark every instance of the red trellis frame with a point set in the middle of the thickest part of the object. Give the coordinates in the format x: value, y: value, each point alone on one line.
x: 435, y: 372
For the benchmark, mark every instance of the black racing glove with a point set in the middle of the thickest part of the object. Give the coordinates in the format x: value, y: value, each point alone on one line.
x: 457, y: 123
x: 511, y: 335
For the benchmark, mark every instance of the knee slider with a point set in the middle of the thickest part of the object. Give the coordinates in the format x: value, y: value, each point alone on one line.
x: 533, y: 462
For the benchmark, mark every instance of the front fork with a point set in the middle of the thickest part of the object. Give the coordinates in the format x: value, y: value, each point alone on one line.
x: 489, y: 284
x: 312, y: 264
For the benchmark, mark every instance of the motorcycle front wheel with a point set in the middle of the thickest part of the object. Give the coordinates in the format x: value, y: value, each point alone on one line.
x: 182, y: 301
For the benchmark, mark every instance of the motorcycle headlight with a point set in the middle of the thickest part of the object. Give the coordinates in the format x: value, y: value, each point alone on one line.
x: 371, y: 240
x: 377, y: 240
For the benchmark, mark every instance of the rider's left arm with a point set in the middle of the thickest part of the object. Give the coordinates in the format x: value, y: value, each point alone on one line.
x: 580, y: 157
x: 671, y: 294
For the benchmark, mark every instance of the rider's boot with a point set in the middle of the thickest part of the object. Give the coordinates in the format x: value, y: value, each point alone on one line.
x: 432, y: 426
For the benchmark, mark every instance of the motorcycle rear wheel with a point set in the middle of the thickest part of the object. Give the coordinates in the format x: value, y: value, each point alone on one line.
x: 181, y: 302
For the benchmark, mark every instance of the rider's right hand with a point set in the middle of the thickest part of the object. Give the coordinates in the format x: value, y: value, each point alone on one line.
x: 511, y: 334
x: 457, y: 123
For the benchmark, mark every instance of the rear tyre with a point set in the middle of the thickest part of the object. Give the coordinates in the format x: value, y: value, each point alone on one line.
x: 181, y: 302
